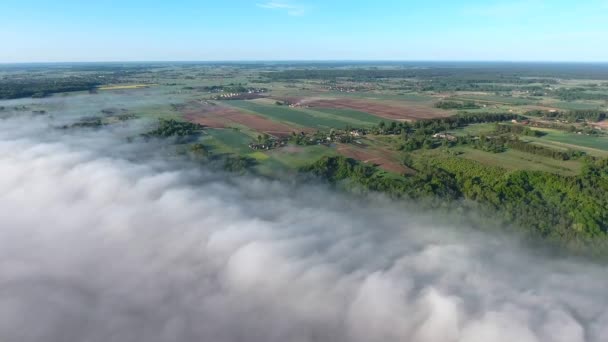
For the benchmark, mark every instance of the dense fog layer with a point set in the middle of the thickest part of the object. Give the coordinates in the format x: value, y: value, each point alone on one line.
x: 96, y: 245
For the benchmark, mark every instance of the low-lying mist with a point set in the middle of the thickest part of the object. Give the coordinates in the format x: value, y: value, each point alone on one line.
x: 96, y: 245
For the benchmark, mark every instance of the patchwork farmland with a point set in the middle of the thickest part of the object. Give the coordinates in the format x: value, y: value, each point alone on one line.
x: 287, y: 113
x: 286, y: 117
x: 405, y: 112
x: 264, y: 116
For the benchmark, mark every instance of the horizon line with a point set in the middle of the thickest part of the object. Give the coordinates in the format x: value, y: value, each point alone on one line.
x: 310, y: 61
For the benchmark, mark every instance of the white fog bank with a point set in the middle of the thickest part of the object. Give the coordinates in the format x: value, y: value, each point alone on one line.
x: 94, y: 247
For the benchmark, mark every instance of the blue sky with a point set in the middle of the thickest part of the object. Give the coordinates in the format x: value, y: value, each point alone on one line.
x: 138, y: 30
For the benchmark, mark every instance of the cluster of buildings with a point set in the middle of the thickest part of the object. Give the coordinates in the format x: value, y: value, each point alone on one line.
x: 297, y: 105
x: 343, y: 89
x: 250, y: 93
x: 226, y: 96
x: 269, y: 144
x: 291, y: 105
x: 318, y: 138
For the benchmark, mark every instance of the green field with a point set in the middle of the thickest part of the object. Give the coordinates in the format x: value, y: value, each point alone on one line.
x: 476, y: 129
x: 298, y: 156
x: 258, y: 155
x: 406, y: 97
x: 355, y: 118
x: 494, y: 99
x: 227, y: 140
x: 594, y: 145
x: 575, y: 105
x: 280, y: 163
x: 517, y: 160
x: 292, y: 116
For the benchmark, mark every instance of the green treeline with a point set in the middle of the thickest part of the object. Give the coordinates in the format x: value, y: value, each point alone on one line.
x: 506, y: 136
x: 462, y: 75
x: 485, y: 143
x: 174, y: 128
x: 418, y: 134
x: 463, y: 119
x: 573, y: 94
x: 544, y: 151
x: 457, y: 105
x: 517, y: 129
x: 430, y: 126
x: 569, y: 210
x: 571, y: 116
x: 17, y: 88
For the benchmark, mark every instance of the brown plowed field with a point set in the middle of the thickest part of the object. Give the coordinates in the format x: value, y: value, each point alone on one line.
x: 602, y: 124
x: 392, y: 112
x: 365, y: 156
x: 209, y: 121
x: 216, y: 116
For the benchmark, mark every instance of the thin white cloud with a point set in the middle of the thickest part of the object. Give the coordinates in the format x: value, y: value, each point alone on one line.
x: 289, y: 7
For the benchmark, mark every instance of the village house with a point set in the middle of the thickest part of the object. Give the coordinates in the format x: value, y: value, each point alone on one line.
x: 446, y: 136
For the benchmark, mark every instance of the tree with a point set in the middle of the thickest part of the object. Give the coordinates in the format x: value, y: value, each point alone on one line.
x: 408, y: 160
x: 393, y: 126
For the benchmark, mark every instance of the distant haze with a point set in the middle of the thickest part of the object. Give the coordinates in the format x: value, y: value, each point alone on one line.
x: 98, y: 246
x: 189, y: 30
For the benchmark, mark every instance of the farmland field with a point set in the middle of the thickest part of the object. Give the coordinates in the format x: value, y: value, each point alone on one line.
x: 591, y: 144
x: 227, y: 140
x: 379, y: 157
x: 355, y: 118
x: 318, y: 105
x: 575, y: 105
x: 299, y: 118
x: 517, y: 160
x: 299, y: 156
x: 475, y: 129
x: 217, y: 116
x: 386, y: 111
x: 493, y: 99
